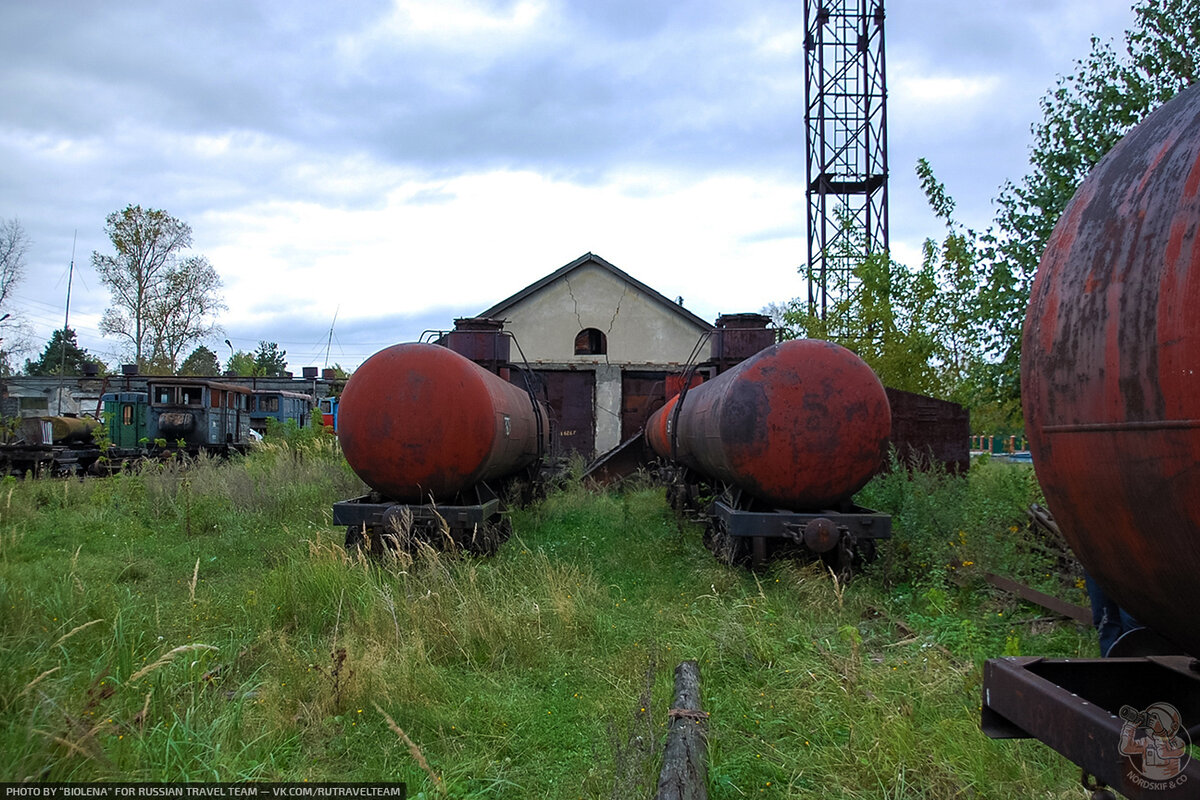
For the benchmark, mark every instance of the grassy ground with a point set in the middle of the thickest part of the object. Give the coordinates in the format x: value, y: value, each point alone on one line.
x: 205, y: 624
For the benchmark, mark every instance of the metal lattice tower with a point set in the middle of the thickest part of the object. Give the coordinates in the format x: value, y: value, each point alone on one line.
x: 845, y: 110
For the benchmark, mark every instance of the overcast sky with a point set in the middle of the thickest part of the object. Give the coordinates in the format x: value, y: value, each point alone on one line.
x: 403, y: 163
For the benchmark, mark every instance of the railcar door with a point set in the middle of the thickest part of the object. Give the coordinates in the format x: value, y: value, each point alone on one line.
x: 239, y: 418
x: 133, y: 423
x: 125, y: 418
x: 218, y: 418
x: 570, y: 397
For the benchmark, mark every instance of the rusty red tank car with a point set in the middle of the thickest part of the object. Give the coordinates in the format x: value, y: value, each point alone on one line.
x: 1111, y: 371
x: 803, y: 424
x: 419, y: 422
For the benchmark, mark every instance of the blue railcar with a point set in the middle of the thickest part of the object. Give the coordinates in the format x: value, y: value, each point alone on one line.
x: 199, y: 413
x: 329, y: 412
x: 280, y: 406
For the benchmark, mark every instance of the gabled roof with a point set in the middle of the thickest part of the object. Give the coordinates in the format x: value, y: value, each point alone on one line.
x: 497, y: 311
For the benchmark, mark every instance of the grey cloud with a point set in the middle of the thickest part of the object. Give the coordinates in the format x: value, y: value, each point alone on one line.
x: 643, y: 86
x: 612, y: 84
x: 306, y: 338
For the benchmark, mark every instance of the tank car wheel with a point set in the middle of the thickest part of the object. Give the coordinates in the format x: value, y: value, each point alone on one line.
x: 728, y: 549
x: 840, y: 560
x: 678, y: 496
x: 490, y: 535
x: 482, y: 539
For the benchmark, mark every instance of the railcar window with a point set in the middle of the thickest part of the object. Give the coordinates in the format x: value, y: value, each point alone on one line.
x: 165, y: 395
x: 126, y: 415
x: 192, y: 395
x: 270, y: 404
x: 215, y: 398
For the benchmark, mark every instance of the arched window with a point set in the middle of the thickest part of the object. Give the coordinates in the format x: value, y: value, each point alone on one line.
x: 590, y: 342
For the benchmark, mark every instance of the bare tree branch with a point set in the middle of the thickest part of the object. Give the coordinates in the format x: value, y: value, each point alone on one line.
x: 14, y: 243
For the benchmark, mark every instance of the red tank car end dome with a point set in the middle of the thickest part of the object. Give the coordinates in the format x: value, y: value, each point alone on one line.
x: 803, y: 424
x: 1110, y: 371
x: 419, y: 421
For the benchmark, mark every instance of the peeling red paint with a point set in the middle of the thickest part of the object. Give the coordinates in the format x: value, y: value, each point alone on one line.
x: 419, y: 421
x: 802, y: 424
x: 1111, y: 371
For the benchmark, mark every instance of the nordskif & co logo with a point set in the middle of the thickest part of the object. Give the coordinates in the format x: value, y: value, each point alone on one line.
x: 1156, y: 743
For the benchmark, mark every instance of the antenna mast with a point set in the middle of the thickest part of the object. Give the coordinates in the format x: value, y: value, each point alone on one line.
x: 62, y: 365
x: 329, y: 342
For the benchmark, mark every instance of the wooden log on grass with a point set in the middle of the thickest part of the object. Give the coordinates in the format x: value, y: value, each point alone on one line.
x: 684, y: 774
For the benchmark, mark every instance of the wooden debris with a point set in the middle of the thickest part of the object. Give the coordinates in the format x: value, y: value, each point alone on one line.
x: 684, y: 774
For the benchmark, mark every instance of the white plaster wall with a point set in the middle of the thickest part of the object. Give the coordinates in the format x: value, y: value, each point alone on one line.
x: 639, y: 329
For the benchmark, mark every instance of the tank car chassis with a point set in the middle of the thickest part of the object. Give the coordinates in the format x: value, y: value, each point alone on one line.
x: 59, y: 460
x: 473, y: 522
x: 1075, y: 706
x: 837, y: 535
x: 738, y: 527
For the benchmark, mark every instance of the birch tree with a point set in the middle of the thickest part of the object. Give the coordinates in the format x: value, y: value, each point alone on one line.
x: 162, y: 300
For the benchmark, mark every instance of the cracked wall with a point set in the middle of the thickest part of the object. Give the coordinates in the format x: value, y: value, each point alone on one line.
x: 639, y: 329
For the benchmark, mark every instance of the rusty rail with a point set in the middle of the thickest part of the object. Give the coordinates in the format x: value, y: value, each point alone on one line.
x: 1069, y: 610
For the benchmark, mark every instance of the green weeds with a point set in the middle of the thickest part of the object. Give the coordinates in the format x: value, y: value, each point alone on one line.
x: 201, y: 621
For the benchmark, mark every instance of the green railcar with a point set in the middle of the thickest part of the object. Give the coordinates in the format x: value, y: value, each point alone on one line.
x: 126, y: 417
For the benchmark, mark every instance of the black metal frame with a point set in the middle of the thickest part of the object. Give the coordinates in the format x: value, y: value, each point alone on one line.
x: 840, y: 536
x: 1073, y: 706
x: 46, y: 459
x: 845, y: 112
x: 372, y: 511
x: 473, y: 521
x: 861, y: 523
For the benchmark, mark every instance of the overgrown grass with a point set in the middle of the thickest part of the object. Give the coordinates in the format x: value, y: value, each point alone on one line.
x: 203, y: 622
x: 944, y: 524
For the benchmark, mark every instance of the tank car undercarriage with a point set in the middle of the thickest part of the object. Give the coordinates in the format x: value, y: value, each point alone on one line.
x: 741, y: 529
x: 1079, y: 707
x: 474, y: 522
x: 44, y: 459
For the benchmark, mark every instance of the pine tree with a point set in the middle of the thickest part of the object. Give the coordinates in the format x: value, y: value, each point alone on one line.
x: 57, y: 361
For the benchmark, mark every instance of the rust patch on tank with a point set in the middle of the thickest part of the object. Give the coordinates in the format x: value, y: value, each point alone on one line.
x: 1111, y: 370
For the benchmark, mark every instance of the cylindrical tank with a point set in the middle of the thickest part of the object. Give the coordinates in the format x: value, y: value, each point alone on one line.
x: 1110, y: 371
x: 418, y: 421
x: 803, y: 424
x: 176, y: 424
x: 63, y: 430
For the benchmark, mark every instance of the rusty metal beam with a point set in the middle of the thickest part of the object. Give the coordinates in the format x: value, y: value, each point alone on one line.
x: 1070, y: 610
x: 1073, y: 706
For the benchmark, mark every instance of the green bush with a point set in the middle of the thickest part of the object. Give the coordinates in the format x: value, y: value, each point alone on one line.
x: 947, y: 526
